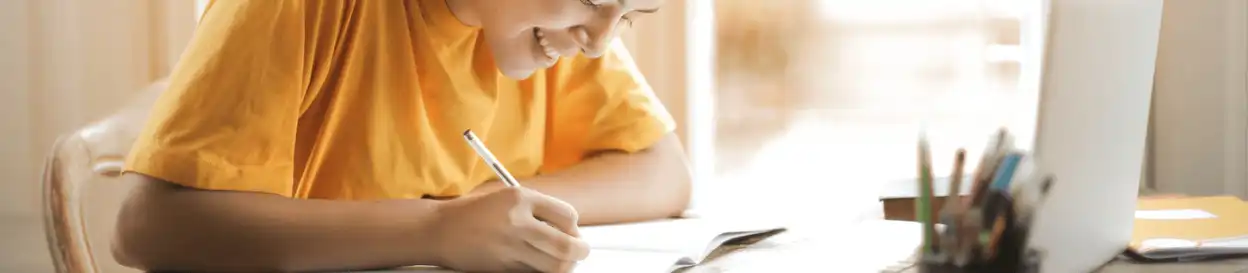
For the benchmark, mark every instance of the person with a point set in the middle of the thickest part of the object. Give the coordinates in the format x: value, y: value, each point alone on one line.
x: 304, y: 135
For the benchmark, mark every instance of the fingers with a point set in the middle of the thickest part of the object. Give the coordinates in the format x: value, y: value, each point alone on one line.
x: 555, y: 212
x: 555, y: 243
x: 540, y: 261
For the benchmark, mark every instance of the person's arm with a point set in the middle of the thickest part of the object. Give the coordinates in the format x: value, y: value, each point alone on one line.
x: 163, y: 226
x: 614, y: 187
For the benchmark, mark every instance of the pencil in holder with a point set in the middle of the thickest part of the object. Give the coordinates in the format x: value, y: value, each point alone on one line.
x: 989, y: 233
x: 1003, y: 252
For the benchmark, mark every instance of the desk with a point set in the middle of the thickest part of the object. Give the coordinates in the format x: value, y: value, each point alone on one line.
x: 871, y: 246
x: 883, y: 246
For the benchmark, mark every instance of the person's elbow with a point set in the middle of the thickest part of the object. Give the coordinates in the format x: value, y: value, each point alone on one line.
x: 681, y: 189
x: 162, y: 226
x: 676, y: 177
x: 126, y: 248
x: 130, y: 247
x: 142, y: 235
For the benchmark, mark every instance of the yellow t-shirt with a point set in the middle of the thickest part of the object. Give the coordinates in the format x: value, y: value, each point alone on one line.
x: 365, y: 100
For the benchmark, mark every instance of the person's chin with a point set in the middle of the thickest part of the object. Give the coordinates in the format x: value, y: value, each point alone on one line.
x: 517, y: 74
x: 517, y: 71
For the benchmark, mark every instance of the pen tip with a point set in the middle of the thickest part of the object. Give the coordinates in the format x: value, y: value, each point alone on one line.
x: 468, y: 132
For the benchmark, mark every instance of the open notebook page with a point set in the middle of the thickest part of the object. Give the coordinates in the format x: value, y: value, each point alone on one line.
x: 1171, y: 248
x: 688, y: 240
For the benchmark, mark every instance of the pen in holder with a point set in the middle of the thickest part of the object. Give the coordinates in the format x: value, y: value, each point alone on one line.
x: 990, y: 232
x: 1003, y: 249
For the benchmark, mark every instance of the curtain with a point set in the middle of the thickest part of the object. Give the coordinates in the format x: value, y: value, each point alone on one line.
x: 1200, y: 115
x: 71, y: 62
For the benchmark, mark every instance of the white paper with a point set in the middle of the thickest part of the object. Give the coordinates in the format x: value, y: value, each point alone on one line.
x: 607, y: 260
x: 1174, y: 214
x: 685, y: 241
x: 686, y: 236
x: 680, y: 236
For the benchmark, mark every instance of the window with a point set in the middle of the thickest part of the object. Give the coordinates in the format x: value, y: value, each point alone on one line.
x: 830, y: 95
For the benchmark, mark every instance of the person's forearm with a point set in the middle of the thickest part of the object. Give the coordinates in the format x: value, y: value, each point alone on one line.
x: 619, y: 187
x: 166, y: 227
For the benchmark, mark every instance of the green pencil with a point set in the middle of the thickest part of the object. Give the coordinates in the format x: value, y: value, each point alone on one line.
x: 924, y: 206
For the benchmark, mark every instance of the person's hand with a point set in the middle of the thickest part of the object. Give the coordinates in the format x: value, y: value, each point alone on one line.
x: 486, y: 187
x: 501, y: 231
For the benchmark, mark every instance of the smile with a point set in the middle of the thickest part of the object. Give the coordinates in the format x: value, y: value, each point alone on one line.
x: 544, y: 44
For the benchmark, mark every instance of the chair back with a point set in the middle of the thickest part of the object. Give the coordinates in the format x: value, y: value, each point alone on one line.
x: 81, y: 192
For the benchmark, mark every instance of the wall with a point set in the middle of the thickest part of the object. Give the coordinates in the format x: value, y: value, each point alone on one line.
x: 14, y: 83
x: 657, y: 43
x: 1200, y: 104
x: 68, y: 62
x: 673, y: 50
x: 63, y: 64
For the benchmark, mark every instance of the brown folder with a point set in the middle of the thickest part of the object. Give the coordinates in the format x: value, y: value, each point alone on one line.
x: 1189, y: 227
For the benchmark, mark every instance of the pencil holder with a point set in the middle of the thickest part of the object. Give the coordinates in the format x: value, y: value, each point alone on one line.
x: 1013, y: 256
x: 1009, y: 253
x: 989, y: 232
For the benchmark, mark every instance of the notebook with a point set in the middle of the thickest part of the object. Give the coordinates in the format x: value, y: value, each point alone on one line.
x: 1189, y: 228
x: 672, y: 243
x: 657, y: 246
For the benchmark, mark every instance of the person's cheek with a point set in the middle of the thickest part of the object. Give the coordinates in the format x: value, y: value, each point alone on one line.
x: 561, y: 14
x: 562, y: 42
x: 511, y: 54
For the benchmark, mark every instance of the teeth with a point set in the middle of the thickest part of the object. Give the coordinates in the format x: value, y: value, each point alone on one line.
x: 541, y: 40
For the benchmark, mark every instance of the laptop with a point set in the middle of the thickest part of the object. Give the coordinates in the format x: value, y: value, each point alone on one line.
x: 1096, y: 86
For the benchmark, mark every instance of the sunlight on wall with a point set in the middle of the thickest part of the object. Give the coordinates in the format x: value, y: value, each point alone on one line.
x: 915, y: 11
x: 199, y: 8
x: 834, y: 99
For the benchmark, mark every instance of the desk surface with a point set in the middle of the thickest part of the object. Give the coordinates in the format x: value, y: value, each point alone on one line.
x: 874, y: 246
x: 868, y: 246
x: 883, y: 246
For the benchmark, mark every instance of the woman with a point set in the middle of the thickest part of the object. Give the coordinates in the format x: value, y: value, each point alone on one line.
x: 325, y: 135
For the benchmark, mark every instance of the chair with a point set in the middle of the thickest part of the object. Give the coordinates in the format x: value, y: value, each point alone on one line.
x: 81, y: 192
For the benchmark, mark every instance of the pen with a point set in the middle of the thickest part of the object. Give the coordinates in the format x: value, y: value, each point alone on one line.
x: 997, y: 190
x: 1005, y: 174
x: 485, y: 154
x: 1003, y: 218
x: 952, y: 204
x: 951, y: 213
x: 988, y: 167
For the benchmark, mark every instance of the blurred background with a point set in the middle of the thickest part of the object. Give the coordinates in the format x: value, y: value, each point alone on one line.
x: 813, y: 105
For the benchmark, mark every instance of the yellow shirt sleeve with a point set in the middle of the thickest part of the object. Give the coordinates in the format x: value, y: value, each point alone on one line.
x: 601, y: 104
x: 228, y: 119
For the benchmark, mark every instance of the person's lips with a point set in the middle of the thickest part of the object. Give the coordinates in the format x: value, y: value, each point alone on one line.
x: 544, y: 46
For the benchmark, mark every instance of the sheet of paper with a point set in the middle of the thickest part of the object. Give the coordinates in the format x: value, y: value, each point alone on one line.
x: 1174, y: 214
x: 686, y: 236
x: 677, y: 236
x: 607, y: 260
